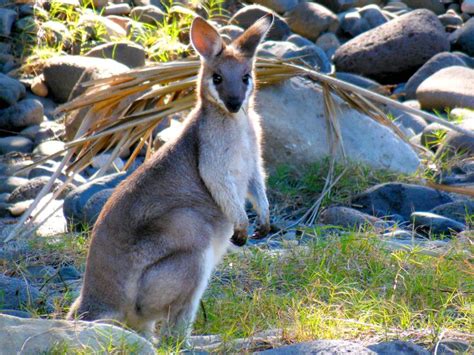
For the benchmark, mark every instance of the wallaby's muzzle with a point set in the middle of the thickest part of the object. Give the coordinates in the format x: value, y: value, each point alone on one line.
x: 233, y: 104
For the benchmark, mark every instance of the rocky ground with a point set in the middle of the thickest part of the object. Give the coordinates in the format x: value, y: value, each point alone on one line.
x: 420, y: 52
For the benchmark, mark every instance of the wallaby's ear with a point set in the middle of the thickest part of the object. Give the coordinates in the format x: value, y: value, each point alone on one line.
x: 205, y: 38
x: 251, y: 38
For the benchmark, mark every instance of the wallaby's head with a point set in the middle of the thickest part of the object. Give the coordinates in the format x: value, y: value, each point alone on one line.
x: 227, y: 77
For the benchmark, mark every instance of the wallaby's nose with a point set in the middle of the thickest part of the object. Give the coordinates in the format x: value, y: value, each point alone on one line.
x: 233, y: 104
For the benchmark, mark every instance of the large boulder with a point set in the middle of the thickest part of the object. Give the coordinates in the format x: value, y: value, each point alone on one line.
x: 247, y: 16
x: 450, y: 87
x: 7, y: 18
x: 41, y: 336
x: 392, y: 52
x: 310, y: 20
x: 436, y: 63
x: 295, y: 128
x: 130, y: 54
x: 398, y: 198
x: 61, y: 74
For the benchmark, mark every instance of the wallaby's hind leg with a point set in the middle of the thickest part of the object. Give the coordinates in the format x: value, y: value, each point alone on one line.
x: 168, y: 292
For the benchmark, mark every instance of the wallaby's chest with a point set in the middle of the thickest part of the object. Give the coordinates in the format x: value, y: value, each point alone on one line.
x: 232, y: 143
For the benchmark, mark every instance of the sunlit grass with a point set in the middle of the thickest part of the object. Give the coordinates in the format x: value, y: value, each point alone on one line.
x: 344, y: 287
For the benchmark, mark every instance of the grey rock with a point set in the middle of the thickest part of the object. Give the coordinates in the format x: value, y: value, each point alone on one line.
x: 48, y: 131
x: 26, y: 25
x: 17, y: 335
x: 463, y: 38
x: 451, y: 20
x: 373, y: 15
x: 76, y: 200
x: 392, y: 52
x: 436, y: 63
x: 30, y: 132
x: 49, y: 106
x: 149, y: 2
x: 48, y: 148
x: 353, y: 24
x: 25, y: 113
x: 99, y: 27
x: 432, y: 223
x: 117, y: 9
x: 298, y: 40
x: 4, y: 197
x: 63, y: 73
x: 130, y: 54
x: 329, y: 43
x: 15, y: 313
x: 94, y: 205
x: 452, y: 347
x: 311, y: 19
x: 67, y: 273
x: 468, y: 6
x: 17, y: 294
x: 398, y: 198
x: 40, y: 272
x: 293, y: 116
x: 247, y: 16
x: 320, y: 347
x: 7, y: 18
x: 29, y: 190
x: 434, y: 5
x: 15, y: 144
x: 432, y: 135
x: 231, y: 31
x: 11, y: 91
x: 148, y: 14
x: 279, y: 6
x: 312, y: 54
x: 398, y: 347
x: 348, y: 218
x: 457, y: 210
x: 449, y: 87
x: 343, y: 5
x: 407, y: 120
x: 10, y: 183
x: 457, y: 142
x: 358, y: 80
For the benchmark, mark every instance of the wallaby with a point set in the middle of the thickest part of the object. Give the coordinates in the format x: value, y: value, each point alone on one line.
x: 164, y: 229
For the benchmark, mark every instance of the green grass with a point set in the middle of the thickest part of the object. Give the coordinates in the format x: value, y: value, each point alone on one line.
x: 297, y: 189
x: 342, y: 287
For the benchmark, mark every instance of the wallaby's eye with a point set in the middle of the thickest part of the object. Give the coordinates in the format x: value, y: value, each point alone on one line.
x: 216, y: 79
x: 246, y: 79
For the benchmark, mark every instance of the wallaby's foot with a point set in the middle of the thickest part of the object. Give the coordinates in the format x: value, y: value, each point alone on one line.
x: 262, y: 231
x: 239, y: 238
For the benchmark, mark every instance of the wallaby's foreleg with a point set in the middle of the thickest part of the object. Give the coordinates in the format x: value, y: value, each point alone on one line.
x: 258, y: 197
x: 224, y: 192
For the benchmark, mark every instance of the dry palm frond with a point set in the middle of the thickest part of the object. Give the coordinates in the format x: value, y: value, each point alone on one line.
x: 121, y: 112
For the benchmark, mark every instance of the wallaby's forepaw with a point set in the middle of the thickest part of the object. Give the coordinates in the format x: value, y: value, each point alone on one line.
x: 261, y: 232
x: 239, y: 237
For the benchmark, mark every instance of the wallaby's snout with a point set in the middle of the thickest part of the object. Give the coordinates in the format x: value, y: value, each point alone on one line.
x: 234, y: 103
x: 227, y: 70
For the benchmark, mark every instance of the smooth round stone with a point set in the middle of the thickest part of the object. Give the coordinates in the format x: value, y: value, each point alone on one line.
x: 449, y: 87
x: 15, y: 144
x: 48, y: 148
x: 10, y: 183
x: 435, y: 224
